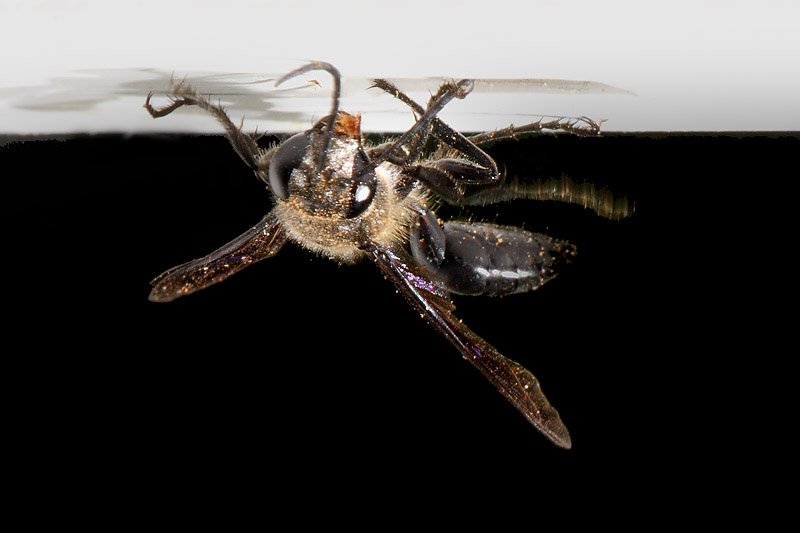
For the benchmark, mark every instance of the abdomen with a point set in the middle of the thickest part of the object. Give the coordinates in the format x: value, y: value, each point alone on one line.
x: 498, y: 260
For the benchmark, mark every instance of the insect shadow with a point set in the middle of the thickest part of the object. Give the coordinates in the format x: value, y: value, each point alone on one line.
x: 338, y: 197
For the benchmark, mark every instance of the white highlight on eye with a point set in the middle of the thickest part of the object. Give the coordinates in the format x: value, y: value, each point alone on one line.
x: 362, y: 193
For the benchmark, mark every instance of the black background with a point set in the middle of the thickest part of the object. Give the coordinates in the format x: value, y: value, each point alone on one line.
x: 302, y: 374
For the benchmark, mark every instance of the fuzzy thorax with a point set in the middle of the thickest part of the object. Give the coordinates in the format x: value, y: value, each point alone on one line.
x: 386, y: 222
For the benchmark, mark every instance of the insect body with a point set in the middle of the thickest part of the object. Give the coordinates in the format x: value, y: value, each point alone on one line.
x: 341, y: 199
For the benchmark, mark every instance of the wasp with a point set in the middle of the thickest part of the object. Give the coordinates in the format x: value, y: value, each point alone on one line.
x: 339, y: 197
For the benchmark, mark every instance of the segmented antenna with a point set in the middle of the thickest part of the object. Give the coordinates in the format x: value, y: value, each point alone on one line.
x: 337, y: 89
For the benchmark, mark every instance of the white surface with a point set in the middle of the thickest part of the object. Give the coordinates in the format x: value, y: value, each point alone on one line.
x: 86, y: 66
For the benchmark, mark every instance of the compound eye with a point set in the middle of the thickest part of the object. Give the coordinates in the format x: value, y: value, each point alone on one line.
x: 363, y: 187
x: 288, y: 157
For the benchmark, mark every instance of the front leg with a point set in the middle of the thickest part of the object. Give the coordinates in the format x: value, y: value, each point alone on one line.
x: 448, y: 178
x: 244, y: 145
x: 442, y: 131
x: 398, y: 151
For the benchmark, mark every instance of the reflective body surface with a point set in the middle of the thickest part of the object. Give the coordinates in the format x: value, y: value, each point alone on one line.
x: 337, y: 197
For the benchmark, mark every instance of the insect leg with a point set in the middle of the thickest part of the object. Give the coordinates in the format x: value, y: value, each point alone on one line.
x: 446, y: 92
x: 576, y: 125
x: 582, y: 126
x: 244, y: 145
x: 413, y: 149
x: 450, y: 178
x: 443, y: 132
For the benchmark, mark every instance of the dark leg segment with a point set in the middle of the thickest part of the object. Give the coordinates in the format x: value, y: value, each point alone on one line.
x: 448, y: 177
x: 442, y: 131
x: 243, y: 144
x: 396, y: 151
x: 582, y: 126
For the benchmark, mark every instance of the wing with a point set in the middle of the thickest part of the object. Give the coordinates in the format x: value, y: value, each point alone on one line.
x: 516, y: 383
x: 259, y: 242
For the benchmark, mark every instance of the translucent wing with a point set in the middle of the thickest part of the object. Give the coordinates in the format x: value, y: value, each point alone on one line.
x: 516, y: 383
x: 259, y: 242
